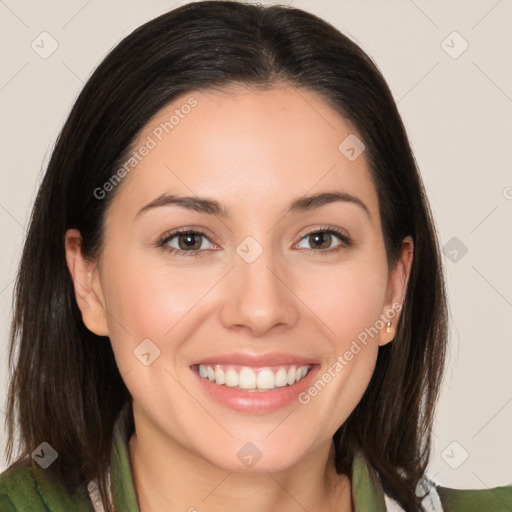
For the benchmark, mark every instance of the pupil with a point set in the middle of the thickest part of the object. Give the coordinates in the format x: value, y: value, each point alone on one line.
x: 318, y: 237
x: 189, y: 240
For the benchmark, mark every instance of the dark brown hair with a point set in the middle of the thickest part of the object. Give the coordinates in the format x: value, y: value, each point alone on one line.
x: 65, y: 387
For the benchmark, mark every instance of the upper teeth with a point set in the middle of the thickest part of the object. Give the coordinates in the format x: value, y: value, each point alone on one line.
x: 248, y: 378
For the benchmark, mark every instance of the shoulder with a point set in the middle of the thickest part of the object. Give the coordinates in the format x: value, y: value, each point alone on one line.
x: 29, y: 488
x: 369, y: 493
x: 496, y: 499
x: 438, y: 498
x: 18, y: 491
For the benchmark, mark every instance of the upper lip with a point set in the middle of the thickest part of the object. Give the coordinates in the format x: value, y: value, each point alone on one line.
x: 257, y: 360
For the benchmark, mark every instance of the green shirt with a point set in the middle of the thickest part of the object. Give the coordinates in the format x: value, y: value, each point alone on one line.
x: 31, y: 490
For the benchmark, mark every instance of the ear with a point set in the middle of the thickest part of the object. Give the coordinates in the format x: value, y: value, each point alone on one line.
x: 86, y: 283
x: 395, y: 293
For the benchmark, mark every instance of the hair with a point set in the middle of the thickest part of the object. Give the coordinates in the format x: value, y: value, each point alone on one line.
x: 65, y: 387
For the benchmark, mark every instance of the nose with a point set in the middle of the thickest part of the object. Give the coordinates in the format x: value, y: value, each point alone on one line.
x: 259, y: 296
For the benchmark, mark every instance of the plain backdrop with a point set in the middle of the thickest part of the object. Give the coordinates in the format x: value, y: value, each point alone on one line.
x: 448, y: 66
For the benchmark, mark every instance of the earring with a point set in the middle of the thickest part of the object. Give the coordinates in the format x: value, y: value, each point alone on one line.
x: 90, y: 275
x: 388, y: 326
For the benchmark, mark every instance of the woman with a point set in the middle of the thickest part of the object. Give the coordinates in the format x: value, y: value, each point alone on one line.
x: 231, y: 293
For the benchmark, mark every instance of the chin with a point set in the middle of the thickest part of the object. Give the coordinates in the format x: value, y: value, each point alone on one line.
x: 255, y: 456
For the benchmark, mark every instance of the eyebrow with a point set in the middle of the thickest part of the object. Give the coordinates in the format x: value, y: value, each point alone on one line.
x: 213, y: 207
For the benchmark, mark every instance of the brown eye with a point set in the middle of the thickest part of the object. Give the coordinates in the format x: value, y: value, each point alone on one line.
x: 186, y: 242
x: 321, y: 241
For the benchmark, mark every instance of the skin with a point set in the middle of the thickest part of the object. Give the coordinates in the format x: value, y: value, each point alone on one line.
x: 255, y: 152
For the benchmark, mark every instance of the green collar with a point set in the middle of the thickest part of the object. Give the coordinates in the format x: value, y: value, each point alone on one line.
x: 367, y: 491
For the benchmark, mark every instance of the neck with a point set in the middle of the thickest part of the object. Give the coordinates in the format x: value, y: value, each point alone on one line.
x: 169, y: 477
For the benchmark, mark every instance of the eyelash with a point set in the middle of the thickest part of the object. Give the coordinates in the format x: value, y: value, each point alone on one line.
x: 346, y: 241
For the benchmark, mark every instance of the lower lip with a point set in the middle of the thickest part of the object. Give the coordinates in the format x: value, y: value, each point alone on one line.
x: 256, y: 401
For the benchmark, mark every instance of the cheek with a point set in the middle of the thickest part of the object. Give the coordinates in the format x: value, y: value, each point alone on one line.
x: 349, y: 304
x: 347, y: 299
x: 149, y: 299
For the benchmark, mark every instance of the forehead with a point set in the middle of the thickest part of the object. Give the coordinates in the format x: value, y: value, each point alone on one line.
x: 245, y: 147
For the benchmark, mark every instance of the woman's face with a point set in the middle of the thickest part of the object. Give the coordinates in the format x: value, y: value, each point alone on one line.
x: 260, y: 296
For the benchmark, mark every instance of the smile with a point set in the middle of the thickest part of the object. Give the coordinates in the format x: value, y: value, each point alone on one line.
x: 246, y: 378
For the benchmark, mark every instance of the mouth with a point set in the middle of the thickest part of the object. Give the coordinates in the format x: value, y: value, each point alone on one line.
x: 255, y: 384
x: 251, y: 379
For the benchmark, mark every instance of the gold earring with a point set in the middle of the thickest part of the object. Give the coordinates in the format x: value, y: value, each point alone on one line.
x: 388, y: 326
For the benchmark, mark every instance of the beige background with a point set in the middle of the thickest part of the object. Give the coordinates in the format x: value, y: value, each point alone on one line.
x: 458, y: 112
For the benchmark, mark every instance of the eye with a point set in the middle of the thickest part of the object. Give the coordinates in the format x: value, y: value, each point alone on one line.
x: 186, y: 242
x: 321, y: 240
x: 190, y: 242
